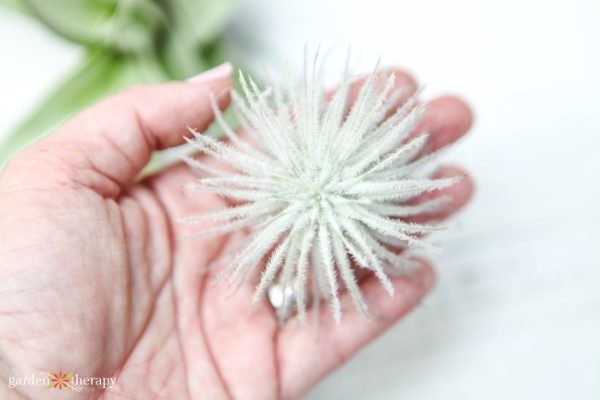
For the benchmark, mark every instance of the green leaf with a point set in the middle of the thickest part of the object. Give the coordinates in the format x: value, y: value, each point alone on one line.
x: 101, y: 74
x: 128, y: 42
x: 15, y: 5
x: 195, y: 26
x: 83, y: 22
x: 204, y: 19
x: 117, y: 25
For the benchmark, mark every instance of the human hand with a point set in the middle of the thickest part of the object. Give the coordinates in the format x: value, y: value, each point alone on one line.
x: 96, y: 279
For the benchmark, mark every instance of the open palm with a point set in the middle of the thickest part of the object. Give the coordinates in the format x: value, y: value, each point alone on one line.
x: 97, y: 281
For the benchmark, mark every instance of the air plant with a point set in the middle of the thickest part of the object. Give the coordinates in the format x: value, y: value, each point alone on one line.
x: 322, y: 182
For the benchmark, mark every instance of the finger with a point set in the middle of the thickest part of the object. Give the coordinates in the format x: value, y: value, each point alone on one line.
x: 404, y: 86
x: 446, y: 119
x: 402, y: 81
x: 239, y: 335
x: 304, y: 358
x: 176, y: 177
x: 457, y: 195
x: 107, y: 145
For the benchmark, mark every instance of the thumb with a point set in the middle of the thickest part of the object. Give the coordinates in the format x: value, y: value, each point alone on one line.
x: 107, y: 145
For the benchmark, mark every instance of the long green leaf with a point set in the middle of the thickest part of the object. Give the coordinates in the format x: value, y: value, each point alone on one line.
x: 101, y: 74
x: 194, y: 28
x: 113, y: 24
x: 127, y: 43
x: 15, y: 5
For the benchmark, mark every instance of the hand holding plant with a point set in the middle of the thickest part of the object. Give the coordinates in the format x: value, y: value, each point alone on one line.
x: 96, y: 279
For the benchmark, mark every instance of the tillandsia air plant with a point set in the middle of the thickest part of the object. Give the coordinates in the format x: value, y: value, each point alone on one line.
x: 323, y: 183
x: 124, y: 42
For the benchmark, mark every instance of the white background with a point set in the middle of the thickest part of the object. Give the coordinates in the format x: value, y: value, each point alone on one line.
x: 516, y: 313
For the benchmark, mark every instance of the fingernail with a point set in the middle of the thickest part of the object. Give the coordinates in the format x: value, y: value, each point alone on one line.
x: 423, y: 276
x: 213, y: 74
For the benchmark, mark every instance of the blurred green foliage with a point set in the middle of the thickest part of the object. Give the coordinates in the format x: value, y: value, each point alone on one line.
x: 126, y: 42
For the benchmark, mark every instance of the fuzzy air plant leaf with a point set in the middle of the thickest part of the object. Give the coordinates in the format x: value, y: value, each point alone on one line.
x: 323, y: 183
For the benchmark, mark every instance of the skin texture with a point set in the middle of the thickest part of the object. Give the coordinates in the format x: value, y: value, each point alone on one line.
x: 96, y: 279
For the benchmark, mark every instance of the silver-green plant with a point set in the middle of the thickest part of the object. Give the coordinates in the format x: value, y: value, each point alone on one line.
x: 324, y: 184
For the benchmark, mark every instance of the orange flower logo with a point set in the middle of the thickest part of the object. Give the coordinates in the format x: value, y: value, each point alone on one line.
x: 60, y: 380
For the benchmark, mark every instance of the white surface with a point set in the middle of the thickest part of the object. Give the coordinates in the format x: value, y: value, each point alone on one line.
x: 516, y: 314
x: 32, y: 62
